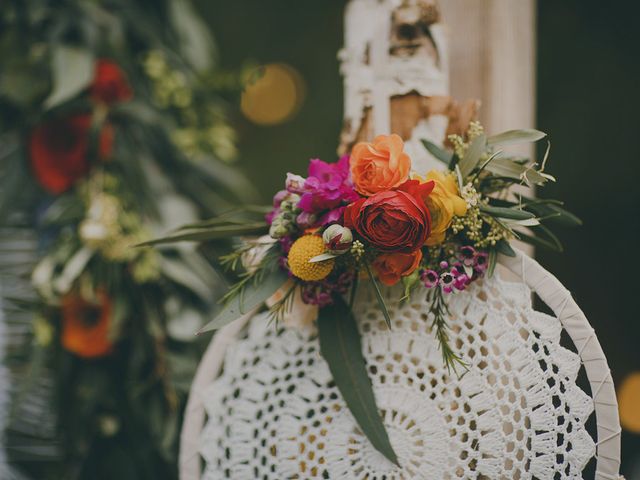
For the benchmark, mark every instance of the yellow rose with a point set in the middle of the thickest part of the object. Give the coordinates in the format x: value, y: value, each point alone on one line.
x: 443, y: 203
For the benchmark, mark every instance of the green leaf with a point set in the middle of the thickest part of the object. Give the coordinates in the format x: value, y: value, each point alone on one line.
x: 513, y: 137
x: 253, y: 295
x: 437, y: 152
x: 379, y: 297
x: 475, y: 151
x: 503, y: 247
x: 493, y: 260
x: 211, y: 233
x: 341, y: 347
x: 505, y: 212
x: 72, y: 70
x: 543, y: 237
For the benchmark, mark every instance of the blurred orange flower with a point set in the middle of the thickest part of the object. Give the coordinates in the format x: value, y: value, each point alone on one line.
x: 391, y: 267
x: 85, y: 325
x: 58, y: 151
x: 380, y: 165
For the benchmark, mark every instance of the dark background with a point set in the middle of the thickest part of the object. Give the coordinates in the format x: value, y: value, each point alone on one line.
x: 588, y: 101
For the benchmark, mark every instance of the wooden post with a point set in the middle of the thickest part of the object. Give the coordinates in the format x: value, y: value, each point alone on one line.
x: 492, y: 57
x: 395, y: 64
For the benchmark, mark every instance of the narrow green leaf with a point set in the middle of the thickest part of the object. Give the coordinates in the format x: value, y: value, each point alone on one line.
x: 493, y: 259
x: 341, y: 347
x: 470, y: 161
x: 538, y: 242
x: 543, y: 237
x: 72, y: 70
x: 254, y: 294
x: 379, y: 297
x: 551, y: 211
x: 513, y: 137
x: 438, y: 152
x: 503, y: 247
x: 505, y: 212
x: 354, y: 289
x: 210, y: 233
x: 508, y: 167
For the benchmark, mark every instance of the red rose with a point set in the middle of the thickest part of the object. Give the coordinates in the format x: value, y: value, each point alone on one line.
x: 110, y: 84
x: 391, y: 267
x: 394, y: 220
x: 58, y: 151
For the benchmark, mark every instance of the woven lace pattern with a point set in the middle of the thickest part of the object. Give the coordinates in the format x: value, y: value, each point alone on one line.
x: 517, y: 413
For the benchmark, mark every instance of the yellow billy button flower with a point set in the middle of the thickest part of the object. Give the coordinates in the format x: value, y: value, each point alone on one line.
x: 444, y: 202
x: 303, y: 250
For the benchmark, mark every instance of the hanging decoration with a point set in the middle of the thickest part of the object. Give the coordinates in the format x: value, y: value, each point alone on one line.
x: 110, y: 131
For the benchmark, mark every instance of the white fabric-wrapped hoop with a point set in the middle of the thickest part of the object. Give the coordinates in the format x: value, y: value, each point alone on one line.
x: 552, y: 293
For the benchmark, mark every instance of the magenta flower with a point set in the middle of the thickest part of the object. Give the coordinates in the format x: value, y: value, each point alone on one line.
x: 481, y: 262
x: 430, y: 278
x: 447, y: 281
x: 327, y: 188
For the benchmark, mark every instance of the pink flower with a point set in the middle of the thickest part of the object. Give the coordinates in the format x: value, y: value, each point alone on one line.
x: 327, y: 188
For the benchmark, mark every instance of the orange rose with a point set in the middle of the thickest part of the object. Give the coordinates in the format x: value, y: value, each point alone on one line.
x: 380, y: 165
x: 85, y: 325
x: 391, y: 267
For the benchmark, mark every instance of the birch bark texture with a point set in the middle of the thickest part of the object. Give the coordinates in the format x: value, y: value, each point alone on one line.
x: 395, y: 65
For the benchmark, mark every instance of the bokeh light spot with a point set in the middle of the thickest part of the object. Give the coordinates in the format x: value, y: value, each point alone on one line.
x: 275, y: 96
x: 629, y: 402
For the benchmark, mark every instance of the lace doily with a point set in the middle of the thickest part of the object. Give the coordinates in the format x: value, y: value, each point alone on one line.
x: 517, y: 413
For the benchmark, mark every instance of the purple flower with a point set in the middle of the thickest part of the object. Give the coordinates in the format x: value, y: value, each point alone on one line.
x: 327, y: 187
x: 461, y: 281
x: 481, y: 262
x: 306, y: 220
x: 467, y: 255
x: 447, y: 281
x: 430, y: 278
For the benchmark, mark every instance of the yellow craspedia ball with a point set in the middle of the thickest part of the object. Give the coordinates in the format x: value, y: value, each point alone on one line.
x: 303, y: 250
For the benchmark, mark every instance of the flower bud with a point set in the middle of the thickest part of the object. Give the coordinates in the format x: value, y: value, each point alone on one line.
x: 294, y: 183
x: 337, y: 239
x: 306, y: 219
x: 278, y: 229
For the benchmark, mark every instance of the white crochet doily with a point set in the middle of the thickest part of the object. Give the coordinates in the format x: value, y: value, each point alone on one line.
x: 274, y: 412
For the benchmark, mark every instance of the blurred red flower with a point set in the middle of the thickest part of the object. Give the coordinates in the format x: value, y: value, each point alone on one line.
x: 110, y: 84
x: 85, y: 325
x: 58, y: 151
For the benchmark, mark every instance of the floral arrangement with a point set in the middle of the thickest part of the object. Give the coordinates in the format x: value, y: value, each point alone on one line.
x: 367, y: 216
x: 98, y: 111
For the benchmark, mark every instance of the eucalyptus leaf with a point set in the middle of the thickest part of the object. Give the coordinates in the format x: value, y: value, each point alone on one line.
x: 513, y: 137
x: 437, y: 152
x: 341, y: 347
x: 72, y: 69
x: 253, y: 295
x: 471, y: 158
